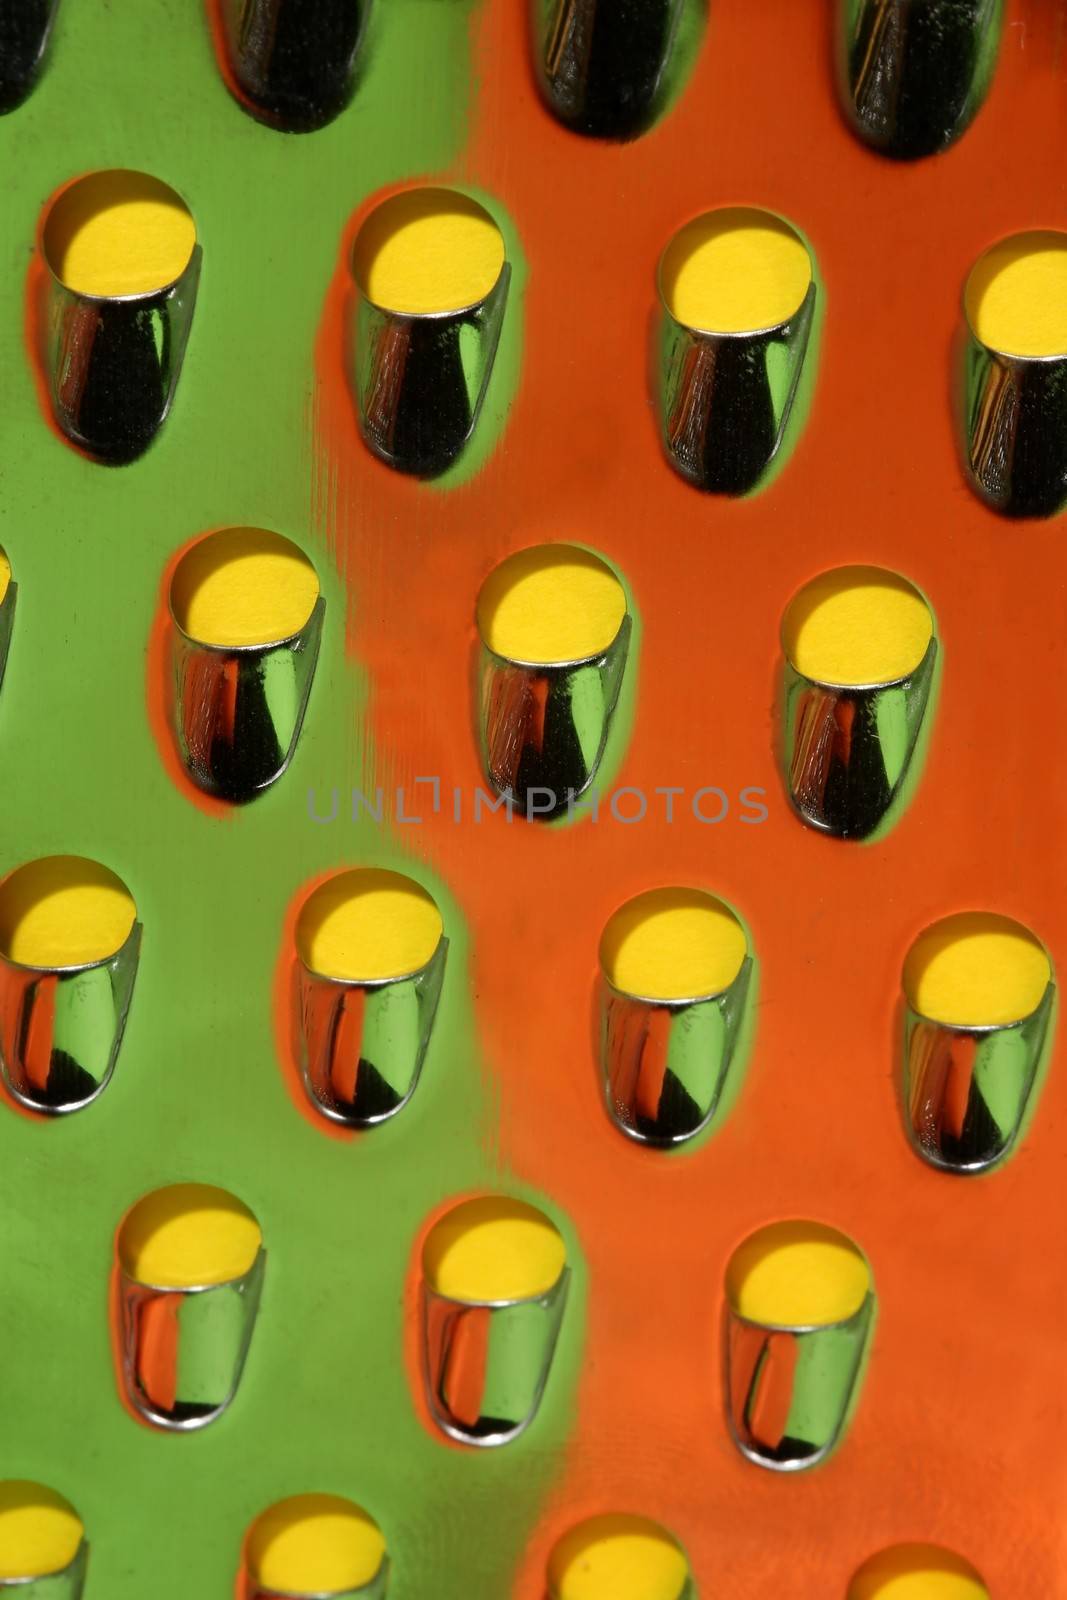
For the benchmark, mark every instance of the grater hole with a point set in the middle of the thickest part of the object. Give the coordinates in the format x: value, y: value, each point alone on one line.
x: 493, y: 1248
x: 550, y: 604
x: 40, y: 1532
x: 118, y: 233
x: 617, y: 1557
x: 1016, y: 295
x: 673, y: 944
x: 736, y: 270
x: 917, y: 1572
x: 366, y: 925
x: 64, y: 911
x: 797, y: 1274
x: 976, y: 969
x: 855, y: 626
x: 243, y: 586
x: 188, y: 1235
x: 314, y: 1544
x: 428, y: 251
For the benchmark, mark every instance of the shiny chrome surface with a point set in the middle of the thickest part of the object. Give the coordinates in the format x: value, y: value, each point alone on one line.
x: 848, y: 750
x: 602, y: 65
x: 183, y: 1350
x: 376, y: 1589
x: 66, y: 1585
x: 789, y: 1391
x: 7, y: 623
x: 486, y: 1363
x: 966, y: 1090
x: 420, y: 379
x: 362, y: 1045
x: 25, y: 27
x: 113, y: 364
x: 293, y: 62
x: 238, y: 712
x: 1015, y: 423
x: 544, y: 729
x: 725, y: 398
x: 665, y: 1063
x: 915, y: 72
x: 61, y: 1028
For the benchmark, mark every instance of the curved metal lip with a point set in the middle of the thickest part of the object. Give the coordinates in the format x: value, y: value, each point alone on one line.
x: 569, y: 665
x: 144, y: 297
x: 167, y: 1424
x: 28, y: 1103
x: 981, y: 1029
x: 866, y: 688
x: 505, y: 1435
x: 487, y: 1441
x: 744, y: 333
x: 194, y: 1288
x: 995, y: 350
x: 260, y: 112
x: 803, y: 1328
x: 439, y: 316
x: 344, y: 1119
x: 287, y: 642
x: 500, y: 1305
x: 653, y: 1141
x: 376, y: 983
x: 29, y: 85
x: 79, y: 966
x: 801, y: 1463
x: 264, y: 1592
x: 70, y: 1570
x: 674, y: 1140
x: 683, y: 1002
x: 963, y: 1169
x: 541, y: 36
x: 798, y: 1464
x: 354, y: 1123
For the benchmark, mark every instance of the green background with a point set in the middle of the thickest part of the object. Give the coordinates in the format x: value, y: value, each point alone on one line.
x: 199, y: 1094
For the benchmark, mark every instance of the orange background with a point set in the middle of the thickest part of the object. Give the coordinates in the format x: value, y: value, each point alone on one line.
x: 957, y: 1437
